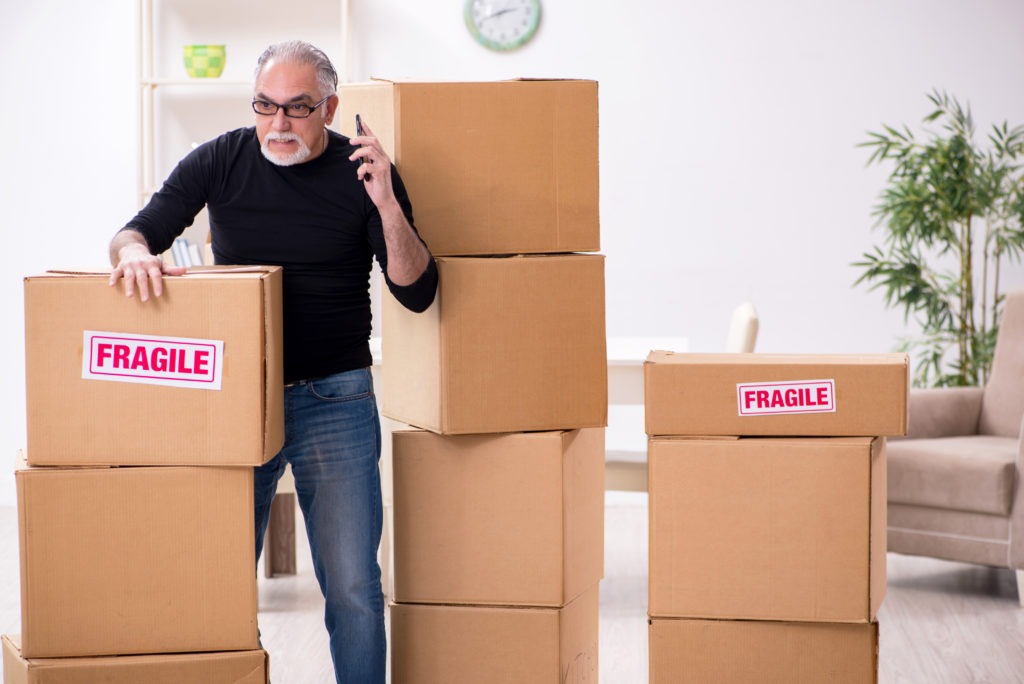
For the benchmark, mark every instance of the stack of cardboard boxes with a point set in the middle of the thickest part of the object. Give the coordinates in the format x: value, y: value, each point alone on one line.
x: 135, y: 499
x: 498, y: 495
x: 767, y: 514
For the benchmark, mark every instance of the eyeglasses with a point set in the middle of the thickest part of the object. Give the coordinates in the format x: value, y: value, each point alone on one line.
x: 295, y: 110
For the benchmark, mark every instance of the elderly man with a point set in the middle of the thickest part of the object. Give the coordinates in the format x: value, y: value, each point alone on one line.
x: 293, y: 193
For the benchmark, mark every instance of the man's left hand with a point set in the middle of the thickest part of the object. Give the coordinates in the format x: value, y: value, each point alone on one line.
x: 375, y: 169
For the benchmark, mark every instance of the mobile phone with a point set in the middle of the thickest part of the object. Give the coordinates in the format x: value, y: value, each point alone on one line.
x: 359, y: 131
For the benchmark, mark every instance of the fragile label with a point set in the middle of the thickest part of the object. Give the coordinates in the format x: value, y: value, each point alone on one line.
x: 151, y: 360
x: 775, y: 398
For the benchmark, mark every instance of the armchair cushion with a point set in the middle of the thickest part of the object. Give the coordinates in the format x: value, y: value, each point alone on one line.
x: 972, y: 473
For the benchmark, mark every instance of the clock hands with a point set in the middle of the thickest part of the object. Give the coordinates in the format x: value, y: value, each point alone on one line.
x: 493, y: 14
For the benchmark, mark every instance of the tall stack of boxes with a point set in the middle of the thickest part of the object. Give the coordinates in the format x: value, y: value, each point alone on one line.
x: 135, y: 494
x: 767, y: 513
x: 499, y: 491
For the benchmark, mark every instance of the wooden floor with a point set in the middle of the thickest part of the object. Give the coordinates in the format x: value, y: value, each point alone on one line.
x: 941, y: 622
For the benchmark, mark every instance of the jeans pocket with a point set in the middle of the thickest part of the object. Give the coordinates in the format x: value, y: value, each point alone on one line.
x: 348, y: 386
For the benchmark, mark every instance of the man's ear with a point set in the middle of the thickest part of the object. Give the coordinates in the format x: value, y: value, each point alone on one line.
x: 330, y: 107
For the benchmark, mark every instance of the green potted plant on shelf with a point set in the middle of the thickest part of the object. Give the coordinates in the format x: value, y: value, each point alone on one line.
x: 953, y: 213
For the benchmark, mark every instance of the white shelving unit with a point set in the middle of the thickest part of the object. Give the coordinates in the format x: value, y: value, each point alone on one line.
x: 177, y: 112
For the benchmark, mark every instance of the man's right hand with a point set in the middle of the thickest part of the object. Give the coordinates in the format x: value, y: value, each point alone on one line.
x: 138, y: 266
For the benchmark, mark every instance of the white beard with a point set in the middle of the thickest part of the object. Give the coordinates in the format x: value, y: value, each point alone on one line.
x: 297, y: 157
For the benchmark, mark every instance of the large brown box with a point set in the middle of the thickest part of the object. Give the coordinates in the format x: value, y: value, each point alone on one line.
x: 776, y: 394
x: 507, y: 167
x: 432, y: 644
x: 228, y: 667
x: 89, y: 405
x: 136, y: 560
x: 761, y: 651
x: 512, y: 519
x: 767, y: 528
x: 509, y: 345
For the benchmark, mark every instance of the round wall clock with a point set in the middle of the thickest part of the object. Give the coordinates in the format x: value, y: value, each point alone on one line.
x: 502, y: 24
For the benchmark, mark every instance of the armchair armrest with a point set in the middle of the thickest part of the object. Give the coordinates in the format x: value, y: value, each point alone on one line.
x: 1017, y: 519
x: 943, y: 412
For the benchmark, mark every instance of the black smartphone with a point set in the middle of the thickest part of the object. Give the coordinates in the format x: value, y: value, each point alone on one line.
x: 359, y: 131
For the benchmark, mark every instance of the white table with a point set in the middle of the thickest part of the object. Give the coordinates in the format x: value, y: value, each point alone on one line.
x: 625, y: 439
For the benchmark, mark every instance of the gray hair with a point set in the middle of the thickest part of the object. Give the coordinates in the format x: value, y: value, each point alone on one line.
x: 303, y: 53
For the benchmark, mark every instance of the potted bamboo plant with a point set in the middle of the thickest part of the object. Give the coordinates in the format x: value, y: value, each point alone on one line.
x: 953, y: 214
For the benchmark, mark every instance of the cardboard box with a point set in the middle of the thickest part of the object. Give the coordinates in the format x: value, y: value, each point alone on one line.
x: 231, y: 667
x: 771, y: 529
x: 761, y: 651
x: 433, y: 644
x: 509, y: 345
x: 776, y: 394
x: 111, y: 380
x: 506, y: 167
x: 513, y: 519
x: 136, y: 560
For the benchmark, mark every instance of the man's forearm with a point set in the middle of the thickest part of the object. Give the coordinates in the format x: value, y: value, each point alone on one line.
x: 407, y: 255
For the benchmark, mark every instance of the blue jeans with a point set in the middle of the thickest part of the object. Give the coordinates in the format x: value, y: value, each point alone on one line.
x: 332, y: 441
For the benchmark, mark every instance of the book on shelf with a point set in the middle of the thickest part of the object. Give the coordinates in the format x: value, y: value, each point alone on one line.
x: 185, y: 253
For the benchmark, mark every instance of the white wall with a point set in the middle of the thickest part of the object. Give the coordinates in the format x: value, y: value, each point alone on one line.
x: 67, y: 166
x: 728, y: 129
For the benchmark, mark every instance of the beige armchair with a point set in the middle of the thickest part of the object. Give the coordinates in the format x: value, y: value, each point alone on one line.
x: 956, y: 482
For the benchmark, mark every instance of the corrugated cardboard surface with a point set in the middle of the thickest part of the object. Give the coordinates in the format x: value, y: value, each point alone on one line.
x: 432, y: 644
x: 509, y: 345
x: 232, y: 667
x: 136, y: 560
x: 512, y: 519
x: 696, y: 394
x: 76, y: 421
x: 770, y: 528
x: 720, y: 651
x: 524, y: 176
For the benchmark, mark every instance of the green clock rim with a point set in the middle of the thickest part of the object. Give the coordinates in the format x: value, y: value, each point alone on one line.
x: 531, y: 30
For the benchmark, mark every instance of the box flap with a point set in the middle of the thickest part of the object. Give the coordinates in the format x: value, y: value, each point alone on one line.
x: 583, y: 471
x: 192, y: 270
x: 879, y: 525
x: 755, y: 360
x: 273, y: 360
x: 419, y: 81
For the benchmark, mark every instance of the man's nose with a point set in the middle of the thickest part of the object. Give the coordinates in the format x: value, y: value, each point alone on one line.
x: 281, y: 121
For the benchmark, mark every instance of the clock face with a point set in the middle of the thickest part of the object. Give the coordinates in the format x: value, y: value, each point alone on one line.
x: 502, y: 24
